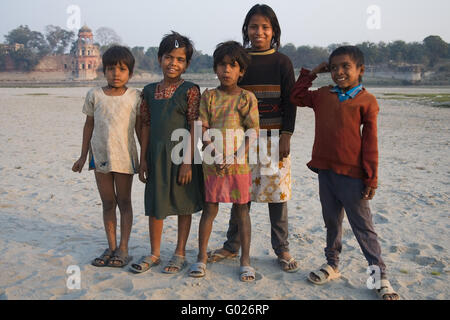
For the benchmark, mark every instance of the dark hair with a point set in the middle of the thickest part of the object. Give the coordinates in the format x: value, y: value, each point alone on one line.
x: 118, y: 54
x: 267, y: 12
x: 235, y: 51
x: 354, y: 52
x: 174, y: 41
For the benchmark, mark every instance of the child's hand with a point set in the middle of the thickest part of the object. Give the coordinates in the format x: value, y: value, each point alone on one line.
x: 143, y: 172
x: 321, y: 68
x: 185, y: 174
x: 285, y: 146
x: 368, y: 193
x: 79, y: 164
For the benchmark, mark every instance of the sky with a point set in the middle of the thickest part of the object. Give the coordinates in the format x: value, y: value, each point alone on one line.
x: 209, y: 22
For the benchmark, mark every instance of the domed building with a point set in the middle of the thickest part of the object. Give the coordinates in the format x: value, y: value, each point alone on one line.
x: 85, y: 56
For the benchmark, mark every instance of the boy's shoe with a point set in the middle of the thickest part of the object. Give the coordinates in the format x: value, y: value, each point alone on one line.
x: 386, y: 292
x: 325, y: 274
x: 118, y: 260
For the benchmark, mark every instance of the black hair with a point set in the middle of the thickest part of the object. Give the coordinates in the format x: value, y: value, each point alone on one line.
x: 173, y: 41
x: 267, y: 12
x: 235, y: 51
x: 118, y: 54
x: 354, y: 52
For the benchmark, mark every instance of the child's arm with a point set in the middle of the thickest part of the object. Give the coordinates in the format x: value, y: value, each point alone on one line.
x: 87, y: 135
x: 144, y: 140
x: 301, y: 95
x: 138, y: 129
x: 192, y: 113
x: 369, y: 152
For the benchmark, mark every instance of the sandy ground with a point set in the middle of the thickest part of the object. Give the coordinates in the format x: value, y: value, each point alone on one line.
x: 50, y: 218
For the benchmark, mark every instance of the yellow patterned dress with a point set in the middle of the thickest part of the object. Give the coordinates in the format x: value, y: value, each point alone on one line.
x: 226, y: 113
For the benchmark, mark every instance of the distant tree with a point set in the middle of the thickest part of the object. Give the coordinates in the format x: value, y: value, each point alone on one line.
x: 32, y: 40
x: 201, y: 63
x: 107, y: 37
x: 436, y: 47
x: 58, y: 39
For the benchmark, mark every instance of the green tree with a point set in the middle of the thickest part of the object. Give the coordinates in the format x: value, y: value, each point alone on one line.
x: 58, y: 39
x: 436, y: 47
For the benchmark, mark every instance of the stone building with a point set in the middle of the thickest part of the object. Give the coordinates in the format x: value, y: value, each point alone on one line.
x: 85, y: 56
x: 81, y: 64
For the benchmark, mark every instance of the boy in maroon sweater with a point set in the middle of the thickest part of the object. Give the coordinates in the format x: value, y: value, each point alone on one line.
x: 346, y: 160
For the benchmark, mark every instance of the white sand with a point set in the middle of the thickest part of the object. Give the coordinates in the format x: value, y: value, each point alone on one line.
x: 50, y: 218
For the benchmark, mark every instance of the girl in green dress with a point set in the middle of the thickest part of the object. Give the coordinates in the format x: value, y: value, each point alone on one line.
x: 171, y: 189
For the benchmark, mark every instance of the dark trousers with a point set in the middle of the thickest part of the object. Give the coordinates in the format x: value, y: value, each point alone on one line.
x: 339, y: 192
x: 279, y: 229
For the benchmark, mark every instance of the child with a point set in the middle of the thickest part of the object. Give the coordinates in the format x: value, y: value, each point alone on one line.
x: 112, y: 113
x: 270, y: 77
x: 345, y: 158
x: 224, y: 108
x: 170, y: 189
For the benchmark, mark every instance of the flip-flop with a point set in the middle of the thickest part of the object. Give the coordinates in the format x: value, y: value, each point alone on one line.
x: 215, y: 256
x: 325, y: 274
x: 177, y: 262
x: 123, y: 261
x: 247, y: 272
x: 197, y: 270
x: 103, y: 260
x: 386, y: 290
x: 285, y: 265
x: 144, y: 264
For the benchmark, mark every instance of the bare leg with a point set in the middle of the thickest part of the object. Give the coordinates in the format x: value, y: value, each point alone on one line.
x: 184, y: 227
x: 155, y: 230
x: 105, y: 185
x: 123, y: 184
x: 206, y: 223
x: 245, y: 231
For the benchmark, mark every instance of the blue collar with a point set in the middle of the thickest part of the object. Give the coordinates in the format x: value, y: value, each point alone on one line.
x: 350, y: 94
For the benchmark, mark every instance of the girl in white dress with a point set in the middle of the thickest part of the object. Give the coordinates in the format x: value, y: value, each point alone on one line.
x: 112, y: 117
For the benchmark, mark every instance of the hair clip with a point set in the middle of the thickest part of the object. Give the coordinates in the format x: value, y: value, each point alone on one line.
x: 177, y: 45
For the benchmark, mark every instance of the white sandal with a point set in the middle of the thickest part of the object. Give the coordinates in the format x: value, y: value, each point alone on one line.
x: 197, y: 270
x: 325, y: 274
x: 247, y: 272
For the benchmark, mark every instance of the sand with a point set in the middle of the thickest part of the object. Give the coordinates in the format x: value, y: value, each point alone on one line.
x: 50, y: 217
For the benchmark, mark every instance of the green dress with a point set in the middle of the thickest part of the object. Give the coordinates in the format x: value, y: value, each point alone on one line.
x: 163, y: 195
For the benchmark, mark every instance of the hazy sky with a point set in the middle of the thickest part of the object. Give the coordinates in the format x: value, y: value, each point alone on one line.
x: 208, y: 22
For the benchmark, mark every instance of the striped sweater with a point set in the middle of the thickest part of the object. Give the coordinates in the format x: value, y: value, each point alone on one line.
x: 270, y: 77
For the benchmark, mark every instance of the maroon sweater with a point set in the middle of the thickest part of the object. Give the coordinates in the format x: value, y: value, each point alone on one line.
x: 340, y: 144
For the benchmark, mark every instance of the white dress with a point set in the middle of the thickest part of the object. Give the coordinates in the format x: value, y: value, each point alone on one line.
x: 113, y: 146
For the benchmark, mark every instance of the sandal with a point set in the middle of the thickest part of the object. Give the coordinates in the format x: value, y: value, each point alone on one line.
x: 119, y: 261
x: 386, y: 290
x: 197, y: 270
x: 325, y: 274
x: 103, y: 260
x: 144, y: 264
x: 177, y: 262
x: 246, y: 272
x: 216, y: 256
x: 285, y: 265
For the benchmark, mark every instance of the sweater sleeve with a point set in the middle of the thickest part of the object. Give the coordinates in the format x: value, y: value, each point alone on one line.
x: 289, y: 109
x: 369, y: 152
x: 301, y: 95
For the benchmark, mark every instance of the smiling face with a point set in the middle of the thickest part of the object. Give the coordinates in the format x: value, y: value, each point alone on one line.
x: 345, y: 72
x: 117, y: 75
x: 260, y: 32
x: 229, y: 71
x: 174, y: 63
